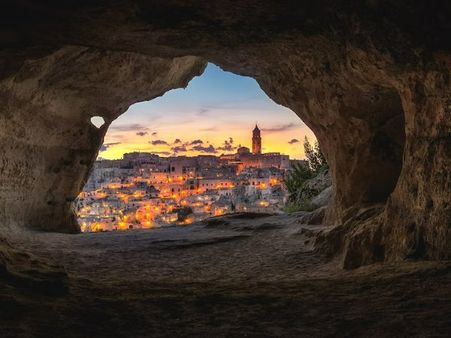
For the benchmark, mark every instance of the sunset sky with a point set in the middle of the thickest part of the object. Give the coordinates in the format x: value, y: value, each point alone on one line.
x: 213, y: 115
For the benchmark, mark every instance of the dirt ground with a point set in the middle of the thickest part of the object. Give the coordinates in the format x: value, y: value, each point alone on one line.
x: 229, y: 277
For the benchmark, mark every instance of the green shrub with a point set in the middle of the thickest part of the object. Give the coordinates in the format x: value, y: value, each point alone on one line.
x: 295, y: 179
x: 294, y: 206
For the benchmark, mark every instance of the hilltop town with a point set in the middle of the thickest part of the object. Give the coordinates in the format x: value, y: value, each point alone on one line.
x: 145, y: 190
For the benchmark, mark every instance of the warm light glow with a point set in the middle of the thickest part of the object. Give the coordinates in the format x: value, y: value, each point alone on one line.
x: 219, y: 212
x: 148, y: 224
x: 122, y: 226
x: 264, y: 203
x: 97, y: 226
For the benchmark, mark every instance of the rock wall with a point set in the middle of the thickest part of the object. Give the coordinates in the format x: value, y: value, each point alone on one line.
x: 417, y: 218
x: 48, y: 142
x: 371, y: 79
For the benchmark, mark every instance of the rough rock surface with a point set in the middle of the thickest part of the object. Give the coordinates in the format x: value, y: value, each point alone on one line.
x: 323, y: 198
x: 22, y: 270
x: 320, y: 182
x: 48, y: 141
x: 321, y: 188
x: 315, y: 217
x: 235, y: 277
x: 371, y: 78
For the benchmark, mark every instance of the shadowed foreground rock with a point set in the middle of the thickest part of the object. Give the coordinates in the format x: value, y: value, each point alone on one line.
x: 232, y: 277
x: 28, y: 273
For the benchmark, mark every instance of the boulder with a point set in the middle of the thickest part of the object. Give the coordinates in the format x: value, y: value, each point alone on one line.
x: 323, y: 198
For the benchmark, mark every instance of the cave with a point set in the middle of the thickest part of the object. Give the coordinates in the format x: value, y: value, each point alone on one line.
x: 371, y: 79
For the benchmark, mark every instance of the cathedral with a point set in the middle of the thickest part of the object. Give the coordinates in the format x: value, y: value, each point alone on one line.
x: 244, y: 158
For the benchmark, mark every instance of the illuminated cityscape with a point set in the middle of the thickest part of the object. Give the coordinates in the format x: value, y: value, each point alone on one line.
x: 145, y: 190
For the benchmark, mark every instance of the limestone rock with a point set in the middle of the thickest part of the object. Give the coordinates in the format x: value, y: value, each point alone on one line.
x: 370, y: 78
x: 315, y: 217
x: 48, y: 141
x: 358, y: 241
x: 323, y: 198
x: 320, y: 182
x: 23, y: 270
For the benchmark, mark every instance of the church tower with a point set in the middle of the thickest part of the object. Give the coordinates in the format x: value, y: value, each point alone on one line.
x: 256, y: 141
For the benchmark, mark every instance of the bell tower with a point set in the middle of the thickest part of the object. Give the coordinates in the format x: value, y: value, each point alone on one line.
x: 256, y: 141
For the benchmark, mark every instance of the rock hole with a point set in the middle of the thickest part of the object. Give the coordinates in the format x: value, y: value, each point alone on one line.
x: 97, y: 121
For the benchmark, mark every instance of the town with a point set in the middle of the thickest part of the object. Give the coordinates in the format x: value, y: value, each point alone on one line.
x: 145, y: 190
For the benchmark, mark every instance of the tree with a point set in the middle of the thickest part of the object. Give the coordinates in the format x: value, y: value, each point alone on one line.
x: 300, y: 193
x: 315, y: 157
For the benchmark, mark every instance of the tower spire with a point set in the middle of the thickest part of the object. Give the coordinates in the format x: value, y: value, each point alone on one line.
x: 256, y: 140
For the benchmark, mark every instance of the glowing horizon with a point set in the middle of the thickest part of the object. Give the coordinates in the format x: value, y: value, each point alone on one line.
x: 214, y: 115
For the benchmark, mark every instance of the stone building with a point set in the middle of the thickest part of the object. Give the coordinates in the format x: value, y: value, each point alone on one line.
x: 256, y: 141
x: 244, y: 158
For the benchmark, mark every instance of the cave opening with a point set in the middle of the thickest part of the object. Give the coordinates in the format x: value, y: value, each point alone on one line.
x: 191, y: 154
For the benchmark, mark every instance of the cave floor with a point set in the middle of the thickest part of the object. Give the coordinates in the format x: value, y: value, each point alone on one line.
x: 230, y: 277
